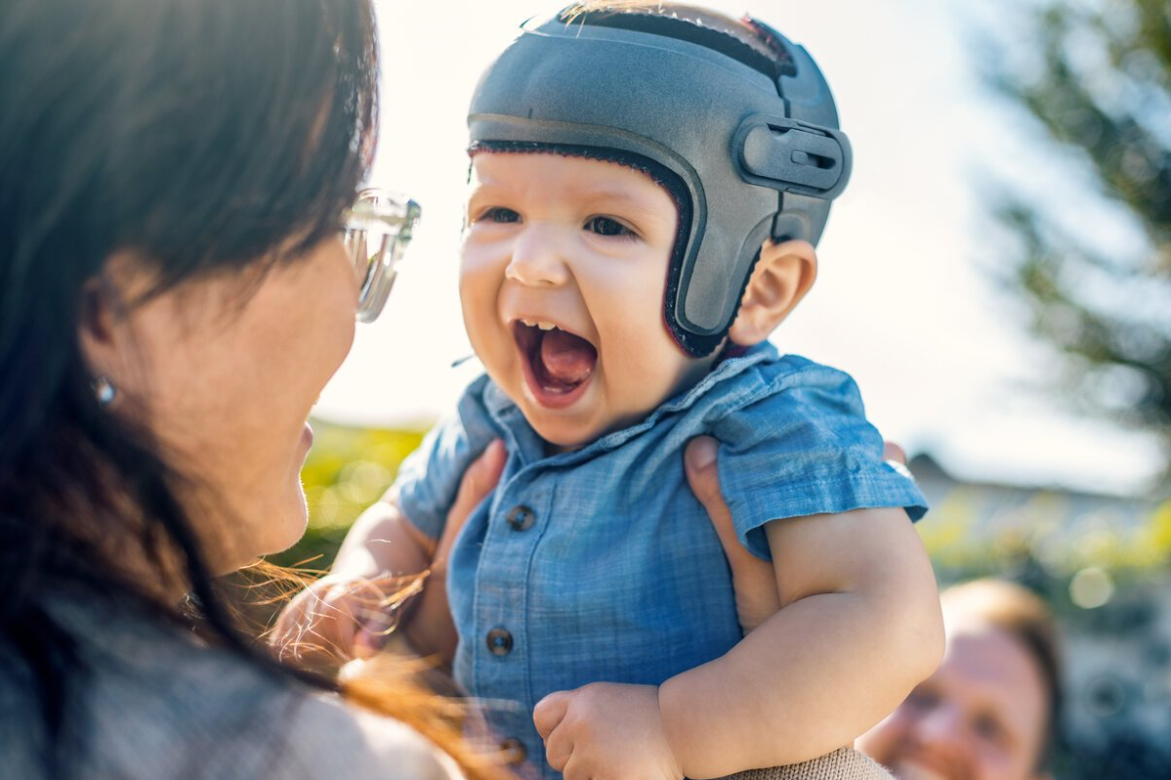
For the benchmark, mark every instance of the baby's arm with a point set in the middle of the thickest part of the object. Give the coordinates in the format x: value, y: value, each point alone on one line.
x: 382, y: 539
x: 859, y: 627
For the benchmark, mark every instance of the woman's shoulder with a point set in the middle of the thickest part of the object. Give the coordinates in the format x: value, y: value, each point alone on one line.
x: 162, y: 704
x: 328, y: 738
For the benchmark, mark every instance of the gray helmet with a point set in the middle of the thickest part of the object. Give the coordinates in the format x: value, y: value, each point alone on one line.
x: 748, y: 145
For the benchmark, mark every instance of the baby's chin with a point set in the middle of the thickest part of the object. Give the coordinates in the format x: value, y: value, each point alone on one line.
x: 567, y: 435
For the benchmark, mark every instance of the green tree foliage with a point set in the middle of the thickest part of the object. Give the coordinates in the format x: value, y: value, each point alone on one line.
x: 1096, y: 76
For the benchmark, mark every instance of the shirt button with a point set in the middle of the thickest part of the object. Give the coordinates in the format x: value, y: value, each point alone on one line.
x: 499, y: 641
x: 520, y: 518
x: 514, y: 751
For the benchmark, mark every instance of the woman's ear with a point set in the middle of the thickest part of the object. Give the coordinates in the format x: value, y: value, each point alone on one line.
x: 104, y: 332
x: 783, y: 274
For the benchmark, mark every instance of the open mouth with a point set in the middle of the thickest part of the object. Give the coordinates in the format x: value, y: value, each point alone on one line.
x: 558, y: 364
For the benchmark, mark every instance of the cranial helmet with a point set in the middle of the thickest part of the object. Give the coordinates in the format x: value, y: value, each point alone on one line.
x: 747, y: 143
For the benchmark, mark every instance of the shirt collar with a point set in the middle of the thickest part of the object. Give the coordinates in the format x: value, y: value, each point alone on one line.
x: 525, y: 442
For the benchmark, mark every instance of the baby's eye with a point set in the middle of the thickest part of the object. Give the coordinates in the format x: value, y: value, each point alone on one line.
x: 604, y: 226
x: 500, y: 214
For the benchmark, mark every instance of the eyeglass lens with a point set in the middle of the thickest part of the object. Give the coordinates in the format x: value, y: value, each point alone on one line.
x: 376, y: 233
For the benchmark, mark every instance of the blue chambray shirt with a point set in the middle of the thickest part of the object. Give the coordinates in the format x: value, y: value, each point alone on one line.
x: 600, y: 565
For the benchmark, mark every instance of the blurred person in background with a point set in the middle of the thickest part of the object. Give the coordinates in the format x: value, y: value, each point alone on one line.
x: 174, y: 294
x: 991, y: 709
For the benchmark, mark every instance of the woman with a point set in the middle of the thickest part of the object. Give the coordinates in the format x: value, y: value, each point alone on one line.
x: 174, y: 295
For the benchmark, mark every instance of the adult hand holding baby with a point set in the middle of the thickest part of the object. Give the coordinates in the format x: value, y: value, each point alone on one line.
x: 753, y: 579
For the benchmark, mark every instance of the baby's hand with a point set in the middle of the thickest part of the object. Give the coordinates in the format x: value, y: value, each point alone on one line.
x: 606, y: 731
x: 338, y: 619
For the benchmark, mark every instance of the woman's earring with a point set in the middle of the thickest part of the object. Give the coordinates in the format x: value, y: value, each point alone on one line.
x: 104, y: 391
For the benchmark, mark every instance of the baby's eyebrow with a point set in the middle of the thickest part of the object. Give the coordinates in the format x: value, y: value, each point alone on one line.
x: 479, y: 191
x: 620, y: 198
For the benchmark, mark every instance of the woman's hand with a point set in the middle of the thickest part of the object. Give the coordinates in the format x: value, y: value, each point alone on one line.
x: 348, y: 615
x: 753, y: 580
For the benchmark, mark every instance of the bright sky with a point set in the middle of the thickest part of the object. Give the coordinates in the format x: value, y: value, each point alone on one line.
x: 903, y: 302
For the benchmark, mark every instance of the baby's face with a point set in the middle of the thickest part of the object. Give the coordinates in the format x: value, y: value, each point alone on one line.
x: 563, y: 268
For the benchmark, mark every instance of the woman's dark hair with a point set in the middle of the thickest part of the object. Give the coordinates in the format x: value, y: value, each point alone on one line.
x: 203, y: 136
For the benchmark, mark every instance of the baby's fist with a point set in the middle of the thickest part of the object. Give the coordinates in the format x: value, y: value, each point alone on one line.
x: 606, y: 731
x: 337, y: 619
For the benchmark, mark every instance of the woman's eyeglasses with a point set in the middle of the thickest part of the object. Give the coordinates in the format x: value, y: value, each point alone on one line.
x: 376, y: 231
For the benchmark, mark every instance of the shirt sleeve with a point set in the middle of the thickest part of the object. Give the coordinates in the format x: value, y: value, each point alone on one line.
x: 429, y: 477
x: 805, y: 448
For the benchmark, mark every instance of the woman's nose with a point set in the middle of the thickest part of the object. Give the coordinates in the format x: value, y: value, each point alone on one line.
x: 537, y: 258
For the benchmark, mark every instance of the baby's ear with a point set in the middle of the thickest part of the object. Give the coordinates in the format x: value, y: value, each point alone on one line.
x: 783, y: 274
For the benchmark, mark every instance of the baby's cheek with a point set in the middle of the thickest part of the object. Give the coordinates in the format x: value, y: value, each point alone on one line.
x: 478, y: 283
x: 472, y: 274
x: 645, y: 373
x: 481, y: 259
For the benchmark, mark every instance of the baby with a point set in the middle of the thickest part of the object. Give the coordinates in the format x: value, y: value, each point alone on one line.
x: 648, y: 182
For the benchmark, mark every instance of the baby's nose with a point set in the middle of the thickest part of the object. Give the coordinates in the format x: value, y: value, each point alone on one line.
x: 538, y: 259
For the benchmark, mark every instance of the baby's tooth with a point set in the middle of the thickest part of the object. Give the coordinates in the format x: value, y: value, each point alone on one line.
x: 546, y: 325
x: 529, y: 323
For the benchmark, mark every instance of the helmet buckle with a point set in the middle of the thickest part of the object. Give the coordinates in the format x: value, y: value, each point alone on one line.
x: 792, y: 156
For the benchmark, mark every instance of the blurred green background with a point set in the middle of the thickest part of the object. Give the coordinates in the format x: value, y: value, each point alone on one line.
x: 348, y: 469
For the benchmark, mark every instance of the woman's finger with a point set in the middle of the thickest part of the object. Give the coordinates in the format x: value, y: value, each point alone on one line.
x: 753, y: 579
x: 704, y: 479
